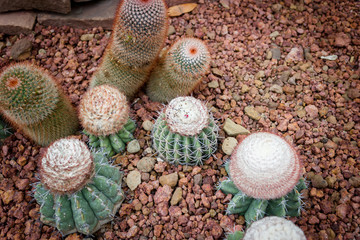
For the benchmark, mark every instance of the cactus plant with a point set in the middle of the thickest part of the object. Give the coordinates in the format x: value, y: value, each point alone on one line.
x: 179, y: 71
x: 79, y: 191
x: 139, y: 33
x: 264, y: 178
x: 31, y: 100
x: 5, y: 130
x: 274, y: 228
x: 104, y: 114
x: 237, y: 235
x: 185, y: 133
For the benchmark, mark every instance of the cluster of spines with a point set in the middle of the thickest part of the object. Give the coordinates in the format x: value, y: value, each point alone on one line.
x: 5, y: 130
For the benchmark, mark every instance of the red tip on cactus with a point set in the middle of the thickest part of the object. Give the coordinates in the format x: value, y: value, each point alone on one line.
x: 66, y: 166
x: 265, y: 166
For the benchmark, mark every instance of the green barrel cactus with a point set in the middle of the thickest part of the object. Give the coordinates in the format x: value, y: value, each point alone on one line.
x: 104, y: 115
x: 264, y: 178
x: 31, y: 100
x: 139, y: 33
x: 179, y: 71
x: 185, y: 133
x: 79, y: 191
x: 5, y: 130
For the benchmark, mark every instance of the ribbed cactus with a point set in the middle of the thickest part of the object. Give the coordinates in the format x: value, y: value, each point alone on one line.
x: 104, y: 115
x: 179, y: 71
x: 139, y: 33
x: 185, y: 133
x: 31, y: 100
x: 264, y: 178
x: 5, y: 130
x: 79, y: 191
x: 274, y: 228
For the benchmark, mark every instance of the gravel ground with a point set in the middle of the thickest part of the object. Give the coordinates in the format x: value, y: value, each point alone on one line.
x: 266, y: 74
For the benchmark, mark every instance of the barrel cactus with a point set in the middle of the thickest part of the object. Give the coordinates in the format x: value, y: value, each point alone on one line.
x: 179, y: 71
x: 139, y: 33
x: 265, y: 178
x: 31, y: 100
x: 5, y: 130
x: 185, y: 133
x: 79, y: 191
x: 104, y: 114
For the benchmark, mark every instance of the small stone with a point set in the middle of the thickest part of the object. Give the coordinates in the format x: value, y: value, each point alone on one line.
x: 296, y: 54
x: 349, y: 125
x: 163, y: 194
x: 132, y: 231
x: 268, y: 55
x: 342, y: 210
x: 133, y: 146
x: 313, y: 220
x: 276, y: 53
x: 147, y: 125
x: 20, y: 47
x: 171, y: 30
x: 232, y: 129
x: 352, y: 93
x: 158, y: 230
x: 42, y: 51
x: 318, y: 181
x: 305, y: 66
x: 276, y: 88
x: 146, y: 164
x: 217, y: 72
x: 276, y: 7
x: 225, y: 3
x: 229, y: 144
x: 245, y: 88
x: 176, y: 197
x: 259, y: 75
x: 213, y: 84
x: 170, y: 179
x: 252, y: 113
x: 8, y: 196
x: 331, y: 119
x: 312, y: 111
x: 133, y: 179
x: 342, y: 40
x: 87, y: 37
x: 355, y: 181
x: 274, y: 34
x: 198, y: 179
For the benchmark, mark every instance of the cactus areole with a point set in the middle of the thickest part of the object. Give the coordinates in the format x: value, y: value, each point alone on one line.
x: 264, y: 166
x: 66, y: 166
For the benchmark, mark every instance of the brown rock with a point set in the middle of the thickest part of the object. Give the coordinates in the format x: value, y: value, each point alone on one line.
x: 342, y: 40
x: 158, y: 230
x: 162, y: 209
x: 176, y: 197
x: 132, y: 231
x: 318, y: 181
x: 171, y: 3
x: 342, y: 210
x: 60, y: 6
x: 17, y: 22
x: 355, y: 181
x: 170, y: 179
x: 20, y: 47
x: 296, y: 54
x: 163, y: 194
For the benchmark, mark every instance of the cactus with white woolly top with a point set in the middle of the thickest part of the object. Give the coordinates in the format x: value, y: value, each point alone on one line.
x: 104, y: 115
x: 265, y: 178
x: 79, y: 191
x: 185, y: 132
x: 179, y: 71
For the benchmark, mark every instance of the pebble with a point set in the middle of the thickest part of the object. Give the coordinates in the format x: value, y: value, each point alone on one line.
x: 276, y: 53
x: 176, y: 197
x: 252, y: 113
x: 228, y: 145
x: 198, y: 179
x: 213, y: 84
x: 133, y: 146
x: 171, y: 30
x: 312, y: 111
x: 87, y: 37
x: 20, y: 47
x: 163, y: 194
x: 232, y: 129
x: 355, y: 181
x: 133, y: 179
x: 146, y: 164
x: 318, y: 181
x: 147, y: 125
x: 170, y: 179
x: 274, y: 34
x: 217, y: 72
x: 296, y: 54
x: 276, y: 88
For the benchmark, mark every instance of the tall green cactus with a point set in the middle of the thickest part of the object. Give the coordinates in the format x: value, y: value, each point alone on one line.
x: 79, y: 191
x: 104, y: 114
x: 139, y: 33
x: 264, y: 178
x: 185, y: 133
x: 179, y: 71
x: 31, y: 100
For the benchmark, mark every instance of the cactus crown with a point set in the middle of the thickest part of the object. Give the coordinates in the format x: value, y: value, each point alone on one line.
x: 186, y: 116
x: 103, y: 110
x: 274, y: 228
x: 189, y: 56
x: 27, y: 93
x: 66, y: 166
x: 264, y: 166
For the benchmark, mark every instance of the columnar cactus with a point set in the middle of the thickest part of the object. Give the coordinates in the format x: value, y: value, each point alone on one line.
x: 139, y: 33
x: 179, y: 71
x: 274, y: 228
x: 104, y: 115
x: 264, y: 178
x: 185, y: 133
x: 5, y: 130
x: 31, y: 100
x: 79, y: 191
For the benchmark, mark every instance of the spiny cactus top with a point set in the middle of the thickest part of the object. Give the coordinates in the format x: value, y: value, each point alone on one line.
x: 66, y: 166
x: 103, y: 110
x: 264, y: 166
x: 274, y: 228
x: 27, y: 94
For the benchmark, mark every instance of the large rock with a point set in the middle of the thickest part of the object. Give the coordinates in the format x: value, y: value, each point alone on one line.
x: 60, y: 6
x: 17, y: 22
x: 86, y: 15
x: 171, y: 3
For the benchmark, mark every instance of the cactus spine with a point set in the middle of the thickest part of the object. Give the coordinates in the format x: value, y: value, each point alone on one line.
x: 139, y: 33
x: 179, y: 71
x: 104, y: 114
x: 79, y: 190
x: 264, y: 178
x: 31, y: 100
x: 185, y: 133
x: 5, y: 130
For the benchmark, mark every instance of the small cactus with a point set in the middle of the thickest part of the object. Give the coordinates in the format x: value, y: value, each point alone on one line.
x: 185, y: 133
x: 274, y: 228
x: 79, y: 191
x: 237, y: 235
x: 5, y: 130
x: 104, y: 114
x: 179, y: 71
x: 264, y: 178
x: 31, y: 100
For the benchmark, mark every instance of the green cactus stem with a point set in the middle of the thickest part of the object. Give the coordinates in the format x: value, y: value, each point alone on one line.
x: 264, y: 185
x: 185, y: 133
x: 79, y: 191
x: 180, y: 70
x: 5, y: 130
x: 31, y: 100
x: 237, y: 235
x: 104, y: 114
